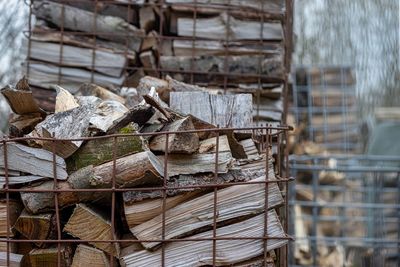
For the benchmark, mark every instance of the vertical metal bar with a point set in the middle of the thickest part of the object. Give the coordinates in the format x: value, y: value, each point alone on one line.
x: 94, y: 42
x: 5, y: 154
x: 314, y: 213
x: 226, y: 47
x: 61, y: 43
x: 398, y: 218
x: 55, y: 188
x: 286, y: 168
x: 260, y: 55
x: 28, y: 63
x: 266, y: 189
x: 113, y: 180
x: 164, y: 204
x: 214, y: 255
x: 193, y: 41
x: 161, y: 36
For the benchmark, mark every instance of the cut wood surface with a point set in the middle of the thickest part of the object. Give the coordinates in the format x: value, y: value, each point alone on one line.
x: 21, y: 101
x: 222, y: 110
x: 36, y: 161
x: 211, y: 68
x: 81, y: 20
x: 64, y: 100
x: 201, y: 162
x: 73, y: 123
x: 196, y: 214
x: 98, y: 151
x: 13, y: 210
x: 140, y: 212
x: 86, y: 256
x: 15, y: 259
x: 90, y: 89
x: 198, y: 253
x: 105, y: 62
x: 227, y: 27
x: 87, y: 223
x: 250, y: 148
x: 106, y: 115
x: 23, y: 124
x: 36, y: 227
x: 177, y: 142
x: 48, y: 257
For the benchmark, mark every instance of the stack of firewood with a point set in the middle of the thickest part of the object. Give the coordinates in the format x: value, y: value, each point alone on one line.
x: 236, y: 46
x: 35, y: 164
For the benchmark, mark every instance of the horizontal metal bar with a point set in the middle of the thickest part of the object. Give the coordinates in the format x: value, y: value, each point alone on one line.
x: 353, y: 241
x: 345, y: 205
x: 363, y: 157
x: 346, y: 189
x: 352, y: 218
x: 365, y: 169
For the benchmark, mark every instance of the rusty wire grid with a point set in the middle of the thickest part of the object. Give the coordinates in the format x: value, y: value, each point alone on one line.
x: 268, y: 140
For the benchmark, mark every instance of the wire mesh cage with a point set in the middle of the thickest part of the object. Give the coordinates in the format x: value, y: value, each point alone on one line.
x: 231, y: 46
x: 324, y: 103
x: 345, y: 211
x: 183, y: 210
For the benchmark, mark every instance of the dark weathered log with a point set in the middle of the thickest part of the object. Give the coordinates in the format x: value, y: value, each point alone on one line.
x: 99, y: 151
x: 36, y: 227
x: 87, y: 223
x: 211, y: 68
x: 90, y: 256
x: 13, y: 210
x: 197, y: 214
x: 80, y: 20
x: 138, y: 114
x: 24, y: 124
x: 195, y: 253
x: 31, y: 160
x: 186, y: 143
x: 48, y: 257
x: 223, y: 110
x: 157, y: 105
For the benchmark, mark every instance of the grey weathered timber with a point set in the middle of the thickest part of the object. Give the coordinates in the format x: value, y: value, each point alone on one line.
x: 36, y: 161
x: 107, y: 114
x: 203, y: 161
x: 212, y: 67
x: 199, y: 253
x: 222, y: 110
x: 193, y: 215
x: 107, y: 27
x: 223, y: 26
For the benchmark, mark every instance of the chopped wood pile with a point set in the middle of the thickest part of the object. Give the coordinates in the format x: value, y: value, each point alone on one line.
x: 325, y: 106
x: 231, y: 46
x: 194, y: 160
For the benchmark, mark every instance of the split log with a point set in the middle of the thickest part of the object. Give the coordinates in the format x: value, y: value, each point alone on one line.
x: 138, y: 114
x: 210, y: 47
x: 222, y: 110
x: 107, y: 115
x: 13, y: 211
x: 186, y: 143
x: 212, y: 68
x: 140, y: 212
x: 15, y: 259
x: 227, y: 27
x: 21, y: 102
x: 77, y: 19
x: 45, y: 75
x: 197, y: 214
x: 197, y: 253
x: 36, y: 161
x: 48, y: 257
x: 73, y: 123
x: 36, y: 227
x: 99, y: 151
x: 90, y: 256
x: 250, y: 148
x: 180, y: 181
x: 87, y: 223
x: 149, y: 63
x: 147, y: 82
x: 103, y: 61
x: 151, y: 42
x: 241, y: 5
x: 90, y: 89
x: 24, y: 124
x: 147, y: 18
x: 18, y: 180
x: 202, y: 162
x: 64, y: 100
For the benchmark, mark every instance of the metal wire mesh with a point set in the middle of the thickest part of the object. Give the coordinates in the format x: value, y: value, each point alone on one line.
x: 269, y: 141
x: 345, y: 211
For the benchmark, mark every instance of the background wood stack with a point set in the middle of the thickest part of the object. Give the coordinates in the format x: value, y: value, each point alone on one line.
x: 139, y: 162
x: 230, y: 46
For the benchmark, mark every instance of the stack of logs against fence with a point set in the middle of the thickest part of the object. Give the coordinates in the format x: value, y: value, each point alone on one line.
x: 234, y: 46
x: 98, y: 184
